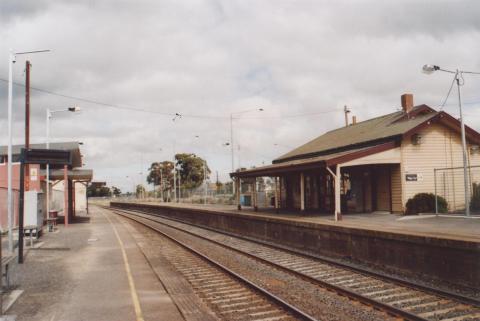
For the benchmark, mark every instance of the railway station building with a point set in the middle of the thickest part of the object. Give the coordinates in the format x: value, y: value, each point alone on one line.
x: 67, y: 188
x: 373, y: 165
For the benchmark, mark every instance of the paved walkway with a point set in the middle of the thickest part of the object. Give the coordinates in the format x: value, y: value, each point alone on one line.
x: 90, y: 271
x: 430, y: 225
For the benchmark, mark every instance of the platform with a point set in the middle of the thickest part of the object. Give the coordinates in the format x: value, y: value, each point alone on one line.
x: 79, y: 273
x: 452, y: 227
x: 441, y: 248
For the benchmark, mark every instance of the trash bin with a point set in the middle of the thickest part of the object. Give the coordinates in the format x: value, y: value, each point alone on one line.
x: 52, y: 220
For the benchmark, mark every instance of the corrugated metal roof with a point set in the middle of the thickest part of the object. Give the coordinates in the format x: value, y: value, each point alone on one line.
x: 370, y: 130
x: 293, y: 165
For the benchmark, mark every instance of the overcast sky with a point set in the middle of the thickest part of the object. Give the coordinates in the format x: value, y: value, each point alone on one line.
x: 301, y: 61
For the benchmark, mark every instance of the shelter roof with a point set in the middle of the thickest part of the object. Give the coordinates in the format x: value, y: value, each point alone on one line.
x: 74, y: 174
x: 73, y: 147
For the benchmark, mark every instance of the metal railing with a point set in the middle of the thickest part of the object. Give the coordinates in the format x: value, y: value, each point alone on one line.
x: 450, y: 190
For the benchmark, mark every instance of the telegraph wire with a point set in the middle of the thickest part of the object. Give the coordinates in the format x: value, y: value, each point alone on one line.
x: 174, y: 115
x: 449, y: 91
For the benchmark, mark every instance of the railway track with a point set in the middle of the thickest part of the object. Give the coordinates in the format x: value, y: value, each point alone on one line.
x: 400, y: 299
x: 228, y: 294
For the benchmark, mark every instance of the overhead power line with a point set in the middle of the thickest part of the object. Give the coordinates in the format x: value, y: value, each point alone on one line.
x: 143, y: 110
x: 449, y: 91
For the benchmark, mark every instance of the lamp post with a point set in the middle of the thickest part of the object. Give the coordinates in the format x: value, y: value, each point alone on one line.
x: 11, y: 61
x: 205, y: 178
x: 49, y: 115
x: 232, y: 145
x: 133, y: 184
x: 231, y: 130
x: 177, y: 116
x: 429, y: 69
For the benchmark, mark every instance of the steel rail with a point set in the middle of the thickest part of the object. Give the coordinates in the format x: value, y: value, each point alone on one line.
x: 289, y: 308
x: 380, y: 276
x: 338, y: 289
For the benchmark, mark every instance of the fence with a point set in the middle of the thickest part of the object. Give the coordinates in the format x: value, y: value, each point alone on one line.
x: 450, y: 189
x: 4, y: 208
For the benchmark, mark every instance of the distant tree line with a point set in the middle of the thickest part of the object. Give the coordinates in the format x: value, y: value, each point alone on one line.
x: 99, y: 190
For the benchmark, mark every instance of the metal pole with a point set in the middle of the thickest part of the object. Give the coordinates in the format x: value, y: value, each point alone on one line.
x: 232, y: 149
x: 161, y: 184
x: 179, y: 187
x: 9, y: 167
x: 21, y: 208
x: 464, y: 147
x: 48, y: 165
x: 231, y: 142
x: 435, y: 183
x: 205, y: 181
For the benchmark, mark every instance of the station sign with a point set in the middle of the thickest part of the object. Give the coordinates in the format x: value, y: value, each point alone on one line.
x: 411, y: 177
x: 46, y: 156
x: 414, y: 177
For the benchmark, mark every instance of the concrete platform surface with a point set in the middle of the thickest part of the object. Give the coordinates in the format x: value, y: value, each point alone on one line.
x: 452, y: 227
x: 81, y: 273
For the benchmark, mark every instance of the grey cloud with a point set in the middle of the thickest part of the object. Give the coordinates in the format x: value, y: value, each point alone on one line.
x: 13, y: 9
x: 211, y: 58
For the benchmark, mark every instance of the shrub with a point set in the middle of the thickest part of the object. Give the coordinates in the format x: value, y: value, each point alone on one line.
x: 475, y: 200
x: 425, y: 203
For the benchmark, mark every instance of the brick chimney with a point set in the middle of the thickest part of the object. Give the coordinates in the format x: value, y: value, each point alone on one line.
x: 407, y: 102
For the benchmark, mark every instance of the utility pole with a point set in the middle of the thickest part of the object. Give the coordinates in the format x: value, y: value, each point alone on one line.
x: 346, y: 111
x: 11, y: 61
x: 179, y: 198
x: 161, y: 183
x: 27, y: 120
x: 205, y: 181
x: 466, y: 178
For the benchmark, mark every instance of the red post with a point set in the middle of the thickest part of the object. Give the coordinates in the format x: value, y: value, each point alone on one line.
x: 73, y: 199
x: 65, y: 192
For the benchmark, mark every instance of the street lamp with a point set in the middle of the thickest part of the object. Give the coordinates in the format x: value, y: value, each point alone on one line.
x: 49, y: 115
x: 11, y: 60
x: 174, y: 119
x: 133, y: 184
x: 231, y: 131
x: 232, y: 145
x: 429, y: 69
x: 205, y: 177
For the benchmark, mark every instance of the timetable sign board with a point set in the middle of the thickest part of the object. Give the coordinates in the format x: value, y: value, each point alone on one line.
x: 46, y: 156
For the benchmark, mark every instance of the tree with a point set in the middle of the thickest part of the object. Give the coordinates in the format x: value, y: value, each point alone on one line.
x: 140, y: 191
x: 228, y: 187
x: 191, y: 170
x: 116, y: 191
x: 98, y: 191
x: 159, y: 170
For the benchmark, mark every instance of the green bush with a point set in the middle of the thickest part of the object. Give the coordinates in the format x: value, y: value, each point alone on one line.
x: 475, y: 200
x: 425, y: 203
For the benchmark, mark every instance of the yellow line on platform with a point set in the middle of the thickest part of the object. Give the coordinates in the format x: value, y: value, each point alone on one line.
x: 133, y: 291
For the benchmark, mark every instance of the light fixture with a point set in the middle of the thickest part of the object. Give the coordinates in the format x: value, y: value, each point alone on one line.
x: 74, y: 109
x: 428, y: 69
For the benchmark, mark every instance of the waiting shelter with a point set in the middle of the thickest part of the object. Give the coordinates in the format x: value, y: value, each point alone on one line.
x: 35, y: 180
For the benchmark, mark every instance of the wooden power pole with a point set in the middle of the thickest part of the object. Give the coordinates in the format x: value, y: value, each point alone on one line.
x: 27, y: 120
